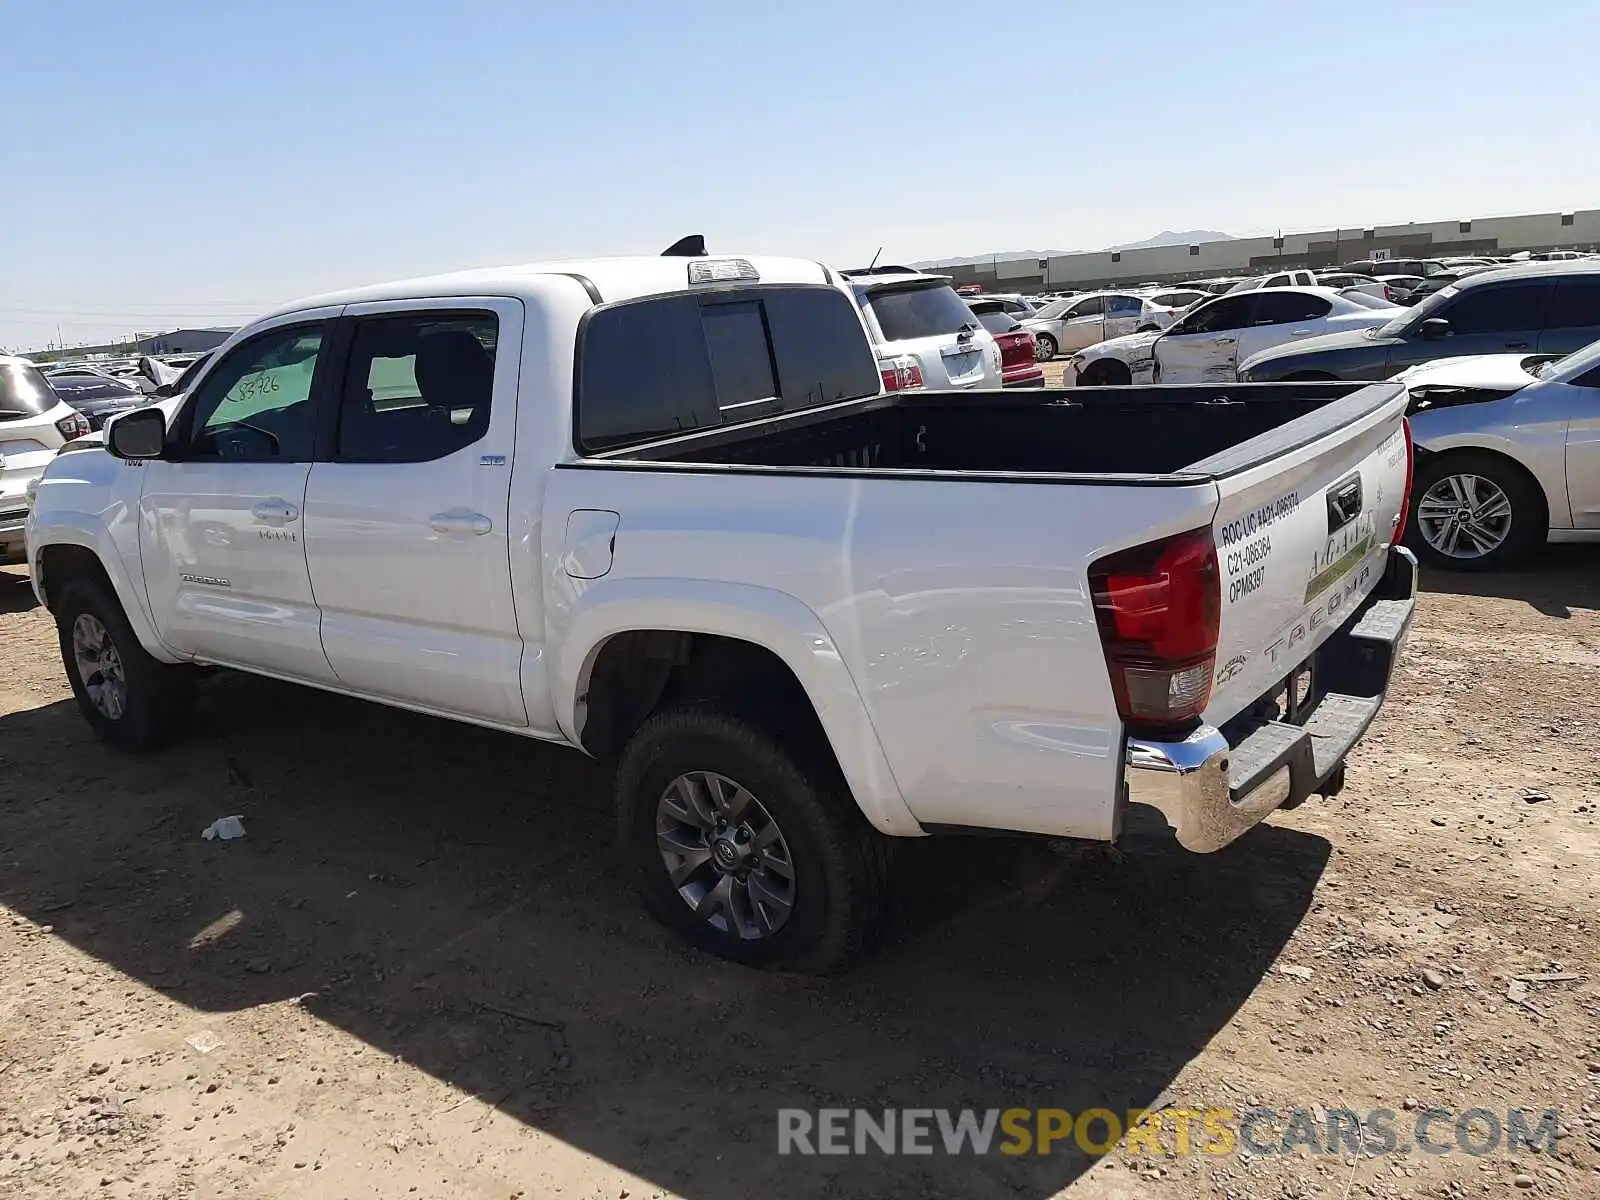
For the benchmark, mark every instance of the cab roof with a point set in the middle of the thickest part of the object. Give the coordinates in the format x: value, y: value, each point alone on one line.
x: 611, y: 279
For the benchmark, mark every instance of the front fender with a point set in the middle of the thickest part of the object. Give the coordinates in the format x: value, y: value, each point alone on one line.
x: 1539, y: 450
x: 90, y: 532
x: 599, y: 609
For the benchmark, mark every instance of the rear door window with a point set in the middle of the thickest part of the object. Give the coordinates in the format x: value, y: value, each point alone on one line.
x: 674, y: 364
x: 417, y: 386
x: 1574, y: 304
x: 919, y: 311
x: 1123, y: 306
x: 1497, y: 309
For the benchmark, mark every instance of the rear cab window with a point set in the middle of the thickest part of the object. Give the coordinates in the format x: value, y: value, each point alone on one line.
x: 666, y: 365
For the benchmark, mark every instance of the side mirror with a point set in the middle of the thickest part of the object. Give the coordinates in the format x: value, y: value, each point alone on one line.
x: 1433, y: 329
x: 138, y: 434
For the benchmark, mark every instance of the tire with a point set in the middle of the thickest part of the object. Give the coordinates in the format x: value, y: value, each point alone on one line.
x: 1106, y: 372
x: 1044, y: 348
x: 155, y: 699
x: 837, y: 865
x: 1484, y: 480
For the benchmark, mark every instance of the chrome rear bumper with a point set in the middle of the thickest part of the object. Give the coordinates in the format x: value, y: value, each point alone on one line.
x: 1210, y: 792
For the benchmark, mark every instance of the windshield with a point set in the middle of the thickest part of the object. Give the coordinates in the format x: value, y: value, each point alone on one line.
x: 1054, y: 309
x: 24, y: 392
x: 1576, y: 363
x: 1410, y: 318
x: 920, y: 311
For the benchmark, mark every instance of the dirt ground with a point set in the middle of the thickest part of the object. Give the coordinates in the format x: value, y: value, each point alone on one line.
x: 420, y: 975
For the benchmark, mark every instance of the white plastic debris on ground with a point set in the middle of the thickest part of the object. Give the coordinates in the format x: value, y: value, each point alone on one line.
x: 224, y: 829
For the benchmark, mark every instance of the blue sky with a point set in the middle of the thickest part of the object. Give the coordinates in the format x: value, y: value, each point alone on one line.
x: 194, y: 162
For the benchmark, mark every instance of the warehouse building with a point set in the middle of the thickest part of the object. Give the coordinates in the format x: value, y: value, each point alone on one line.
x: 181, y: 341
x: 1578, y: 230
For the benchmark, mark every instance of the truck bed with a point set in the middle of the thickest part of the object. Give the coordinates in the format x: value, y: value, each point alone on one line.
x: 1108, y: 432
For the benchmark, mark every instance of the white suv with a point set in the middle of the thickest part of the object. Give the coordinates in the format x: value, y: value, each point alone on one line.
x: 34, y: 424
x: 924, y: 334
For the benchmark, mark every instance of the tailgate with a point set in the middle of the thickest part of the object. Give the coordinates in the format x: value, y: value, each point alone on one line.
x: 1302, y: 538
x: 947, y: 362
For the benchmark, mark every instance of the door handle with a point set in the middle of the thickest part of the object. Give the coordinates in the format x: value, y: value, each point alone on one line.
x: 274, y: 512
x: 1516, y: 345
x: 1226, y: 341
x: 1300, y: 333
x: 460, y: 522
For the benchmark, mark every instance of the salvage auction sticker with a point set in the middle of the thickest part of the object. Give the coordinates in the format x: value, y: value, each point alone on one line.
x: 1340, y: 554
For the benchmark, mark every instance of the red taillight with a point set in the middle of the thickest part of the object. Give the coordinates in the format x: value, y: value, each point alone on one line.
x: 1159, y: 609
x: 74, y: 426
x: 900, y: 374
x: 1405, y: 496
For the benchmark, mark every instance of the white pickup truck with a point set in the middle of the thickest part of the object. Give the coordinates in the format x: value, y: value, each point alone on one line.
x: 661, y: 510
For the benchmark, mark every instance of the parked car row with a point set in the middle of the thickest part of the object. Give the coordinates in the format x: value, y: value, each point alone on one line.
x: 1545, y: 307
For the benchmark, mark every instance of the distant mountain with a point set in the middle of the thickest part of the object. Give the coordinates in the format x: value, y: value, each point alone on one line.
x: 983, y: 258
x: 1167, y: 237
x: 1186, y: 237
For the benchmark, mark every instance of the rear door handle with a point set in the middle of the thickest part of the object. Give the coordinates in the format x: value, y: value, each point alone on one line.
x: 274, y: 511
x: 457, y: 521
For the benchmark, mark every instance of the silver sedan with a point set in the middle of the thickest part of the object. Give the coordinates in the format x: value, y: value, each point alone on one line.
x: 1507, y: 455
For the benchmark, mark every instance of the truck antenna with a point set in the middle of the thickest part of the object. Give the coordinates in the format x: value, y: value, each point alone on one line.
x: 875, y: 258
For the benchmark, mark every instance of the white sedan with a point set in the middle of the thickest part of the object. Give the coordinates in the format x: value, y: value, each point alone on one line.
x: 1207, y: 344
x: 1079, y: 321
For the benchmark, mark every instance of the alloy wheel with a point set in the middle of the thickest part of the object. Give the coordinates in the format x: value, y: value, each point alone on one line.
x: 1464, y: 516
x: 725, y: 855
x: 99, y: 666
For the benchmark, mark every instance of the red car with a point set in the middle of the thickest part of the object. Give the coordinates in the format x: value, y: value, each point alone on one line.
x: 1018, y: 366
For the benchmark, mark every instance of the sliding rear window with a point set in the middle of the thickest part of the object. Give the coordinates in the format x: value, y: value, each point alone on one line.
x: 654, y: 368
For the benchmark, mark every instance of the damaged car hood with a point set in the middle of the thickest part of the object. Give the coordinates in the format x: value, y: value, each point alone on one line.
x: 1504, y: 373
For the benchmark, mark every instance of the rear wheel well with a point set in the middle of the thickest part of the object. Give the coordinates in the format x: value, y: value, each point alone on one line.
x: 60, y: 565
x: 641, y: 671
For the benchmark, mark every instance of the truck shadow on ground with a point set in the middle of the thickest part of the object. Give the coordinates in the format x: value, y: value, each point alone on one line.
x: 1554, y: 579
x: 16, y: 593
x: 452, y: 896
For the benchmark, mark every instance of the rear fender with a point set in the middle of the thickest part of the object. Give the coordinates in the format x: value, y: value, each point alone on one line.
x: 771, y: 619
